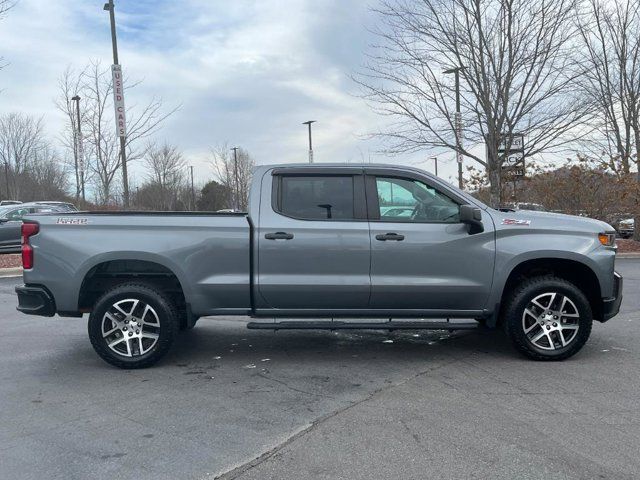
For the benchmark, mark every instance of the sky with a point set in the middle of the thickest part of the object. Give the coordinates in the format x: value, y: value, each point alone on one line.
x: 244, y: 72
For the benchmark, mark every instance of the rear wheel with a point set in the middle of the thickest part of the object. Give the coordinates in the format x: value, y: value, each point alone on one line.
x: 133, y: 325
x: 548, y: 318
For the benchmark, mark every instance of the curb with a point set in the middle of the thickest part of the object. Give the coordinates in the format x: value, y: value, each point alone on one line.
x: 10, y: 272
x: 628, y: 255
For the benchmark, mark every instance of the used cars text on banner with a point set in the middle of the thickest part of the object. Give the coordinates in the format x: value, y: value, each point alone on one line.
x: 118, y: 100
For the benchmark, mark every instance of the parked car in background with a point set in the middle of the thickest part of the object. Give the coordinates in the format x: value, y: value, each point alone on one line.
x: 514, y: 207
x: 399, y: 212
x: 9, y: 202
x: 11, y: 221
x: 60, y: 206
x: 626, y: 227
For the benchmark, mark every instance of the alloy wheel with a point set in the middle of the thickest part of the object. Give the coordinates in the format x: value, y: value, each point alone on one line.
x: 551, y: 321
x: 131, y: 327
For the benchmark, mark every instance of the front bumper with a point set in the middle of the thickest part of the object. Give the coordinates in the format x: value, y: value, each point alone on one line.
x: 611, y: 306
x: 35, y: 300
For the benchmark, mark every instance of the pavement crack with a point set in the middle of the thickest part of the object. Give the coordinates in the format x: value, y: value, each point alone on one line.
x: 285, y: 384
x: 238, y: 470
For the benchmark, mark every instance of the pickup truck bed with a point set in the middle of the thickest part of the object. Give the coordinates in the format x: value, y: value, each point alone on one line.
x: 209, y: 254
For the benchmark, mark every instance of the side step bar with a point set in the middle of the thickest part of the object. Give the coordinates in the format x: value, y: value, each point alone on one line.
x: 329, y: 325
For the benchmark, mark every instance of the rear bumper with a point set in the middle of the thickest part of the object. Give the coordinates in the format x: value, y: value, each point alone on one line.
x: 611, y: 306
x: 35, y: 300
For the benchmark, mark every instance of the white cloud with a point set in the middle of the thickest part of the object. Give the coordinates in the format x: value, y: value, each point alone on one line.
x: 246, y: 72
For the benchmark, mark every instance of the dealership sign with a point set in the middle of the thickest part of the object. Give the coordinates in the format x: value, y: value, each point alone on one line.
x: 118, y: 100
x: 513, y: 146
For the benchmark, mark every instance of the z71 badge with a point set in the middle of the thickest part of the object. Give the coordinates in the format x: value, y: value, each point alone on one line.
x: 513, y: 221
x: 72, y: 221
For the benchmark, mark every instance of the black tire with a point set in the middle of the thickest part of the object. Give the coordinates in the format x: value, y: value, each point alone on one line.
x: 163, y: 314
x: 552, y: 340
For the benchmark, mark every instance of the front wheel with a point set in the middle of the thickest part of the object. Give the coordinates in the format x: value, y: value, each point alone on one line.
x: 548, y: 318
x: 133, y: 325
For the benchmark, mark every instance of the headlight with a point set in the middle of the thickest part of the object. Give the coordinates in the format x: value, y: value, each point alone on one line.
x: 607, y: 239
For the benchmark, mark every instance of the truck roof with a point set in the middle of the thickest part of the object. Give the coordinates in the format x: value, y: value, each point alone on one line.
x: 318, y: 166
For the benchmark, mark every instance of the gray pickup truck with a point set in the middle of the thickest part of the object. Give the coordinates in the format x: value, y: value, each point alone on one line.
x: 321, y: 242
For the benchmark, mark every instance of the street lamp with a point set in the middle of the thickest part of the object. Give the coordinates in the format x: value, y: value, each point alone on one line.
x: 236, y: 202
x: 193, y: 191
x: 78, y: 152
x: 435, y: 159
x: 110, y: 7
x: 308, y: 123
x: 458, y: 121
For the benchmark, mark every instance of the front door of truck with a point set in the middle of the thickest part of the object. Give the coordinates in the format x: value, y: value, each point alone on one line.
x: 422, y: 257
x: 313, y: 241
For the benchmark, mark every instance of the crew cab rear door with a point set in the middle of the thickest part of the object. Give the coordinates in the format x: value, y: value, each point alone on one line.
x: 422, y: 257
x: 313, y: 240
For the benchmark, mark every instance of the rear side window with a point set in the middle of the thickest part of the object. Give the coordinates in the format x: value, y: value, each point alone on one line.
x: 317, y: 197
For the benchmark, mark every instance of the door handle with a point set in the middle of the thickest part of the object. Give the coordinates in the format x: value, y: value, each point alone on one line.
x: 278, y: 236
x: 390, y: 236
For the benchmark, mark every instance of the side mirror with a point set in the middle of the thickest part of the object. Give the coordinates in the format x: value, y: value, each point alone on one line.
x: 472, y: 216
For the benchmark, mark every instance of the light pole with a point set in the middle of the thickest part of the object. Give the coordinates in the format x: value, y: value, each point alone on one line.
x: 458, y: 122
x: 75, y: 150
x: 79, y: 153
x: 110, y: 7
x: 308, y: 123
x: 435, y: 159
x: 236, y: 203
x: 193, y: 191
x: 6, y: 178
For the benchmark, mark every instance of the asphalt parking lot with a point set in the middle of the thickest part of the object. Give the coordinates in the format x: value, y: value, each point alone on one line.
x: 290, y: 405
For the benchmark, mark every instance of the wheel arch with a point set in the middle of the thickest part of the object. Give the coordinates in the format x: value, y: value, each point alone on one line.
x: 106, y: 272
x: 573, y: 270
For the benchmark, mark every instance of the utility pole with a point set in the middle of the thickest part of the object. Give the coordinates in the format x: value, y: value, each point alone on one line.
x: 458, y: 122
x: 75, y: 151
x: 308, y: 123
x: 435, y: 159
x: 193, y: 191
x: 110, y: 7
x: 79, y: 152
x: 236, y: 203
x: 6, y: 178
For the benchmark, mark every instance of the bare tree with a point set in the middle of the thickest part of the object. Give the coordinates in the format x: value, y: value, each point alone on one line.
x: 518, y: 76
x: 21, y: 137
x: 70, y: 84
x: 610, y: 32
x: 105, y: 162
x: 29, y: 166
x: 167, y: 175
x: 45, y: 177
x: 94, y: 85
x: 233, y: 171
x: 5, y: 6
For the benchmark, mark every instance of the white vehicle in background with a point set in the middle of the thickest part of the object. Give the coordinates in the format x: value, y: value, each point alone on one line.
x: 514, y: 207
x: 626, y: 227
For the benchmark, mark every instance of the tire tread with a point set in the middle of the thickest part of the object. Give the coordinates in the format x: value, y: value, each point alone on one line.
x: 164, y: 342
x: 512, y: 320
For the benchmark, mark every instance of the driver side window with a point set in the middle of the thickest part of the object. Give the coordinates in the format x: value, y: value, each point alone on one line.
x: 406, y: 200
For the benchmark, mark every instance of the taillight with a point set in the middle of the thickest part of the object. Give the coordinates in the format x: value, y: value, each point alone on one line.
x: 28, y: 229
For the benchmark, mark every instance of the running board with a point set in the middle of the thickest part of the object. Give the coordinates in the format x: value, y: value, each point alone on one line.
x: 329, y: 325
